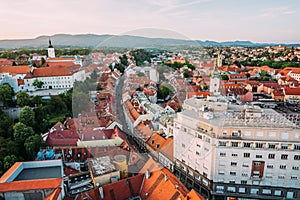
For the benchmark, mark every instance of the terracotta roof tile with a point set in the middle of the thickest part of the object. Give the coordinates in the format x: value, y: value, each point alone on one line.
x: 14, y: 70
x: 49, y: 183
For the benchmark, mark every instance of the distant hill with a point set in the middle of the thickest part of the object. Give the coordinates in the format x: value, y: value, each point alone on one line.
x: 93, y: 41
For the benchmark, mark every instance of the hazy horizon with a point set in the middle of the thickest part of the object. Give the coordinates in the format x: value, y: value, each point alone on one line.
x: 268, y: 21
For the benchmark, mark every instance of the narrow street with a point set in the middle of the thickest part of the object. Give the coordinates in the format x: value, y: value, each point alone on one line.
x: 121, y: 116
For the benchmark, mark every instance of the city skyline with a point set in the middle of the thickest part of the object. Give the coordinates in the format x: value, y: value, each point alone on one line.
x: 256, y: 21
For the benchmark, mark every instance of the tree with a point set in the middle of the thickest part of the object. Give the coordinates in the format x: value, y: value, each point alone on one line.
x: 163, y: 91
x: 43, y: 61
x: 23, y: 99
x: 57, y: 105
x: 124, y: 60
x: 32, y: 145
x: 37, y: 83
x: 5, y: 123
x: 22, y: 132
x: 224, y: 77
x: 8, y: 161
x: 6, y: 94
x: 27, y: 116
x: 186, y: 74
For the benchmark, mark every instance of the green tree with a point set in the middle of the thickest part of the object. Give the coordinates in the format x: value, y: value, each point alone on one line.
x: 186, y: 74
x: 27, y: 116
x: 124, y: 60
x: 23, y: 99
x: 32, y: 145
x: 57, y: 105
x: 224, y: 77
x: 37, y: 83
x: 5, y: 123
x: 163, y: 91
x: 43, y: 61
x: 22, y: 132
x: 8, y: 161
x: 6, y: 94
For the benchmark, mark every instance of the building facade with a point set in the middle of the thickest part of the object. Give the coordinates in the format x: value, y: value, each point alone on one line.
x: 223, y: 150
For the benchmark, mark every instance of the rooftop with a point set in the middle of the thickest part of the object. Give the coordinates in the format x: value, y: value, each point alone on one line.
x: 101, y: 165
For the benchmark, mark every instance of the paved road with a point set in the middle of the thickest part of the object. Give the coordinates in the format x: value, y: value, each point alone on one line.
x: 121, y: 116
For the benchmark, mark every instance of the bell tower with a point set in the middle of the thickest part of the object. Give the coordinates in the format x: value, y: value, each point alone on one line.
x: 215, y: 79
x: 51, y: 51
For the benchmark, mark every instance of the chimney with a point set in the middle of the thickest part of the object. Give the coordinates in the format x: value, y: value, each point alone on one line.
x: 176, y: 185
x: 147, y: 174
x: 166, y: 177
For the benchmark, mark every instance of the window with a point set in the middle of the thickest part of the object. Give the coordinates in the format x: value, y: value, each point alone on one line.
x: 233, y: 164
x: 284, y: 157
x: 259, y: 145
x: 242, y: 190
x: 270, y: 166
x: 221, y: 172
x: 243, y: 182
x: 232, y: 181
x: 259, y: 134
x: 197, y: 153
x: 271, y: 146
x: 266, y: 191
x: 290, y: 195
x: 234, y: 155
x: 280, y: 176
x: 294, y: 177
x: 256, y: 174
x: 295, y: 168
x: 297, y: 146
x: 296, y: 157
x: 222, y: 144
x: 271, y: 156
x: 222, y: 154
x: 235, y: 133
x: 258, y: 156
x: 246, y: 155
x: 247, y: 144
x: 232, y: 173
x: 230, y: 189
x: 254, y: 191
x: 284, y: 146
x: 244, y: 174
x: 282, y: 167
x: 277, y: 193
x: 234, y: 144
x: 224, y: 132
x: 269, y: 176
x: 245, y: 165
x: 221, y: 163
x: 247, y: 133
x: 256, y: 163
x: 219, y: 188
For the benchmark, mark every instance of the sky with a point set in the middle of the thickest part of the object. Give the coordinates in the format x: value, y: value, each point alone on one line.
x: 218, y: 20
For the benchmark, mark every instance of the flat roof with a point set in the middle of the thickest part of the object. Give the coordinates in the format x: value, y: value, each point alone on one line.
x: 39, y: 173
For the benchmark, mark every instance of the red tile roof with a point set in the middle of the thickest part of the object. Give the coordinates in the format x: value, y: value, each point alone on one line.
x: 62, y: 138
x: 292, y: 91
x: 14, y: 70
x: 49, y: 71
x: 50, y: 183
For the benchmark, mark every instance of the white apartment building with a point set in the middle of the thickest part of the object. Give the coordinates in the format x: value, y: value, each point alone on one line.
x: 223, y: 150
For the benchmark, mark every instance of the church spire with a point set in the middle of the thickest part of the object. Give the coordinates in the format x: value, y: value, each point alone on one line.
x: 50, y: 45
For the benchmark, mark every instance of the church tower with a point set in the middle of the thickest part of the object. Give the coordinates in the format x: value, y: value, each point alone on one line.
x: 51, y: 51
x: 215, y: 79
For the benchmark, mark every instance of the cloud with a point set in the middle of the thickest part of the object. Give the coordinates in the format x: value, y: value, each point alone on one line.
x: 170, y: 5
x: 277, y: 11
